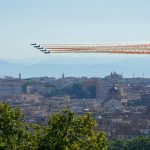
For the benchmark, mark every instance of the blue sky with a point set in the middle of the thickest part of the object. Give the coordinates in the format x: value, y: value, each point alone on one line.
x: 70, y: 21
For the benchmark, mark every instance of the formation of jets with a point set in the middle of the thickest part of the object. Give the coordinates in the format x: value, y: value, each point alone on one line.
x: 120, y: 48
x: 40, y: 48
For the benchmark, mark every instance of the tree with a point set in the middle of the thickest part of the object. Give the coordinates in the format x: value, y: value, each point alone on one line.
x: 14, y: 133
x: 64, y: 131
x: 70, y: 132
x: 137, y: 143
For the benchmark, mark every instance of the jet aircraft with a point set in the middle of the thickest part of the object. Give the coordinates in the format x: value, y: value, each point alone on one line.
x: 33, y: 44
x: 46, y: 52
x: 40, y: 48
x: 43, y: 50
x: 37, y: 46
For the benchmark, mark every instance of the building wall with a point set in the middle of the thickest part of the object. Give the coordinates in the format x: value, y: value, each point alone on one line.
x: 10, y: 89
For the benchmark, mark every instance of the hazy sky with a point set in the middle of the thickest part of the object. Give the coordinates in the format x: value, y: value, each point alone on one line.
x: 69, y: 21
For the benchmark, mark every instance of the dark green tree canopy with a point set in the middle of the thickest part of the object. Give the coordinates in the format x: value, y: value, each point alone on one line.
x: 65, y: 131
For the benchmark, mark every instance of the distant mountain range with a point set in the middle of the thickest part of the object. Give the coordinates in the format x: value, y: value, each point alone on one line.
x: 127, y: 66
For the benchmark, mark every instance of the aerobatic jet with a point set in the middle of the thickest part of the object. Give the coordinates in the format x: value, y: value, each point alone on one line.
x: 46, y: 52
x: 37, y: 46
x: 40, y: 48
x: 43, y: 50
x: 33, y: 44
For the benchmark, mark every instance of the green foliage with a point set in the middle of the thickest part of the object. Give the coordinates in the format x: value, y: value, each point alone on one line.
x: 65, y: 131
x: 14, y: 133
x: 138, y: 143
x: 75, y: 91
x: 90, y: 92
x: 70, y: 132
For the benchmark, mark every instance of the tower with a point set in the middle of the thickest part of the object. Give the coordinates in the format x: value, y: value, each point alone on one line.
x: 19, y: 75
x: 63, y: 75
